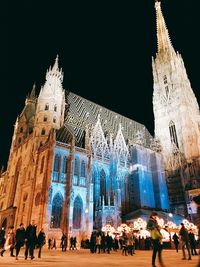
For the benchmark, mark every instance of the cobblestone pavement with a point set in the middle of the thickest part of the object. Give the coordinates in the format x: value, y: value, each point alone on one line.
x: 83, y: 258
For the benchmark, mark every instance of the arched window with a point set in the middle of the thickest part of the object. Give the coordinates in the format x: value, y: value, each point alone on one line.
x: 83, y: 167
x: 64, y: 169
x: 77, y: 212
x: 19, y: 140
x: 54, y: 120
x: 56, y: 213
x: 42, y: 165
x: 76, y: 166
x: 37, y: 199
x: 57, y: 162
x: 43, y: 132
x: 46, y: 107
x: 55, y: 108
x: 103, y: 186
x: 166, y: 85
x: 21, y: 130
x: 173, y: 135
x: 45, y: 118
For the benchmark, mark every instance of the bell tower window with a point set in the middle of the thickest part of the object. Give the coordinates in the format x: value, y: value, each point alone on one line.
x: 46, y: 107
x: 43, y: 132
x: 55, y: 108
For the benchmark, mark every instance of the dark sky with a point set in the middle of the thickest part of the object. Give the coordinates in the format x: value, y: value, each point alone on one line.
x: 105, y: 50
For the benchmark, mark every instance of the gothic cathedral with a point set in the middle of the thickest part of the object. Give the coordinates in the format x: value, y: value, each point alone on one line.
x: 75, y: 166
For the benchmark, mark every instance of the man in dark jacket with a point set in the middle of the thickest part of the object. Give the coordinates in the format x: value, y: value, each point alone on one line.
x: 30, y: 240
x: 20, y: 239
x: 176, y: 242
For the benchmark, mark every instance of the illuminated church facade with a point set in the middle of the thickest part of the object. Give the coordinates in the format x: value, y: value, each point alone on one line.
x: 75, y: 166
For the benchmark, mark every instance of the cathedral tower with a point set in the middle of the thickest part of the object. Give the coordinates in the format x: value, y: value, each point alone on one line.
x: 50, y: 104
x: 176, y: 110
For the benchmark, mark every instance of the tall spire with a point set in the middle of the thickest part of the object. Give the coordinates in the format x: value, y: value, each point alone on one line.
x: 163, y: 39
x: 55, y: 72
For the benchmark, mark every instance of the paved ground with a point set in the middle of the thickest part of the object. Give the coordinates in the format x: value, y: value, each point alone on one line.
x: 83, y: 258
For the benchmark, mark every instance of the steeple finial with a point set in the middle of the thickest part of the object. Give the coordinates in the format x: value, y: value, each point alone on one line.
x: 32, y: 95
x: 55, y: 66
x: 163, y: 39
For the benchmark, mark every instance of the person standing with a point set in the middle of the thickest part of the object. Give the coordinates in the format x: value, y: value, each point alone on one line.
x: 156, y: 239
x: 41, y: 240
x: 2, y: 237
x: 20, y: 239
x: 30, y: 240
x: 184, y: 241
x: 9, y: 242
x: 192, y: 243
x: 176, y: 242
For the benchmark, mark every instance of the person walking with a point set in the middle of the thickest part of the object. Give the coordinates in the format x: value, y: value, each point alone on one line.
x: 176, y: 242
x: 156, y: 238
x: 41, y: 240
x: 30, y: 240
x: 184, y: 241
x: 64, y: 242
x: 20, y: 239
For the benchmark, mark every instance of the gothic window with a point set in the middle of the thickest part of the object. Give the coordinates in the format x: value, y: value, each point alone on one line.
x: 21, y: 130
x: 173, y: 135
x: 55, y: 108
x: 77, y: 212
x: 167, y: 90
x: 64, y: 169
x: 42, y: 165
x: 165, y: 79
x: 45, y: 118
x: 103, y: 185
x: 30, y: 130
x: 57, y: 162
x: 76, y: 166
x: 43, y: 132
x: 83, y: 167
x: 37, y: 199
x: 56, y: 213
x: 54, y: 120
x: 25, y: 197
x: 46, y: 107
x: 19, y: 140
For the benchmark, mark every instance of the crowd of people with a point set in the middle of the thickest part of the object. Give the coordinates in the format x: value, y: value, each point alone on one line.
x: 99, y: 242
x: 15, y: 240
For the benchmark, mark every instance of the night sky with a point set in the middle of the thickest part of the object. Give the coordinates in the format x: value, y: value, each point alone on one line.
x: 104, y: 47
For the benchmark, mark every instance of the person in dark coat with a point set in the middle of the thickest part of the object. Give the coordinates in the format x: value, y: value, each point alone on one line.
x: 41, y: 240
x: 20, y: 239
x: 30, y: 240
x: 184, y: 241
x: 192, y: 243
x: 64, y: 242
x: 176, y: 242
